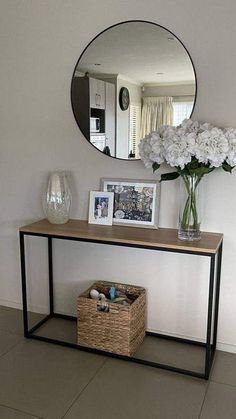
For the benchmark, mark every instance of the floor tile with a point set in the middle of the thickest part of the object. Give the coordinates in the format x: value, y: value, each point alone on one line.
x: 220, y: 402
x: 124, y: 390
x: 7, y: 413
x: 224, y: 369
x: 8, y: 341
x: 44, y: 379
x: 172, y: 353
x: 11, y: 320
x: 65, y: 330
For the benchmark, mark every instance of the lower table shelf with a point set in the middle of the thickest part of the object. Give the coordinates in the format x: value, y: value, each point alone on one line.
x: 157, y: 350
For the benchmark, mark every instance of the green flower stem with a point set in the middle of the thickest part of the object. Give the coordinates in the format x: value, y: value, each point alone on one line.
x: 190, y: 218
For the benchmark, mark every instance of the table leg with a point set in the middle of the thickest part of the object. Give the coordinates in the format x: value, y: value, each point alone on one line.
x: 50, y: 276
x: 208, y: 358
x: 23, y: 278
x: 217, y: 295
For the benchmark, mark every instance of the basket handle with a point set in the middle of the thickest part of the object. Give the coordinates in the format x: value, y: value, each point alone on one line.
x: 103, y: 306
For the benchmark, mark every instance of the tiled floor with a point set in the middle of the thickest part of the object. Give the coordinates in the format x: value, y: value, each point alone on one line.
x: 40, y: 380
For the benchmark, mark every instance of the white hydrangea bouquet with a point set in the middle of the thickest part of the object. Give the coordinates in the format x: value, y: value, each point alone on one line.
x: 194, y: 149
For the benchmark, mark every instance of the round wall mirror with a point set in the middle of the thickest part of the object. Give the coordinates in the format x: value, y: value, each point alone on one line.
x: 130, y: 79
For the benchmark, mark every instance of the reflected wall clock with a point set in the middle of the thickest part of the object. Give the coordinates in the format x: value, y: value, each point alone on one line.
x: 124, y: 98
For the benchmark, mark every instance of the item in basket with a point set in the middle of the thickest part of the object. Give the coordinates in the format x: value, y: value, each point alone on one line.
x: 112, y: 293
x: 102, y: 305
x: 120, y: 300
x: 94, y: 294
x: 120, y: 293
x: 115, y: 296
x: 118, y: 296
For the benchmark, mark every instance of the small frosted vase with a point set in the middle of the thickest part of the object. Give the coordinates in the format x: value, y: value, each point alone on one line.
x: 189, y: 214
x: 58, y: 198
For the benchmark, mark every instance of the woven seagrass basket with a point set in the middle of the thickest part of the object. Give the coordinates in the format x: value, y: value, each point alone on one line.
x: 120, y: 330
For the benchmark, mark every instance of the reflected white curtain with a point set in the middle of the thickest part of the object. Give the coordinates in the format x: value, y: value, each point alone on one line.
x: 156, y: 111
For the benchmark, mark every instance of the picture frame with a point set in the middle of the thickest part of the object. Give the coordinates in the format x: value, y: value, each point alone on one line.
x: 136, y: 201
x: 101, y: 207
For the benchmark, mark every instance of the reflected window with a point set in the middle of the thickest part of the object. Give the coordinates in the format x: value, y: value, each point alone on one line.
x: 181, y: 111
x: 134, y: 135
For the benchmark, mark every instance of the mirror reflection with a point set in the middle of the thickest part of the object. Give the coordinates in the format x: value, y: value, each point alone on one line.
x: 132, y: 78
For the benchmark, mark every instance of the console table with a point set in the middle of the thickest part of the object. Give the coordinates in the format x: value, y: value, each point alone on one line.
x: 162, y: 239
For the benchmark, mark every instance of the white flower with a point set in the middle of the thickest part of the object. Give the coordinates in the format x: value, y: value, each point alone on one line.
x: 205, y: 126
x: 178, y: 147
x: 151, y: 149
x: 162, y: 129
x: 189, y: 126
x: 230, y: 134
x: 194, y: 126
x: 211, y: 147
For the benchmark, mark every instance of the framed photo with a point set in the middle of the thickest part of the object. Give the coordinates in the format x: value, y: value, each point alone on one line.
x: 101, y: 207
x: 136, y: 202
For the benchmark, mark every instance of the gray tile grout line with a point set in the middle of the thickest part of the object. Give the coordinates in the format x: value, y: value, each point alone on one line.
x: 219, y: 382
x: 81, y: 392
x: 20, y: 333
x: 216, y: 382
x: 207, y: 386
x: 21, y: 411
x: 204, y: 398
x: 12, y: 333
x: 11, y: 348
x: 224, y: 384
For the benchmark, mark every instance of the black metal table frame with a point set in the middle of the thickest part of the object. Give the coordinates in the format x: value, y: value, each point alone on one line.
x: 212, y: 313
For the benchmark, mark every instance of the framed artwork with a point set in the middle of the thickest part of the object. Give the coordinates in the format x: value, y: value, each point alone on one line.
x: 101, y: 207
x: 136, y: 202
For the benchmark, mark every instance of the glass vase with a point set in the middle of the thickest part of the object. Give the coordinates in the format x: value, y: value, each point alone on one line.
x: 189, y: 214
x: 58, y: 198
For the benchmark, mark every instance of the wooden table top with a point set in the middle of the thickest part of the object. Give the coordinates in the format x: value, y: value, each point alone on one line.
x: 135, y: 236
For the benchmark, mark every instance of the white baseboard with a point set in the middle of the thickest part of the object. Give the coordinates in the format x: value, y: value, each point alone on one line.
x: 226, y: 347
x: 33, y: 308
x: 221, y: 346
x: 165, y: 332
x: 12, y: 304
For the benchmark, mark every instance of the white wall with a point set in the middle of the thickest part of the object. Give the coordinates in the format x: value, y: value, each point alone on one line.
x: 40, y: 42
x: 123, y: 117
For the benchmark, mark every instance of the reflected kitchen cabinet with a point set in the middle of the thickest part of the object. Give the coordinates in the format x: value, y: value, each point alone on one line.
x: 94, y: 105
x: 96, y: 93
x: 80, y: 101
